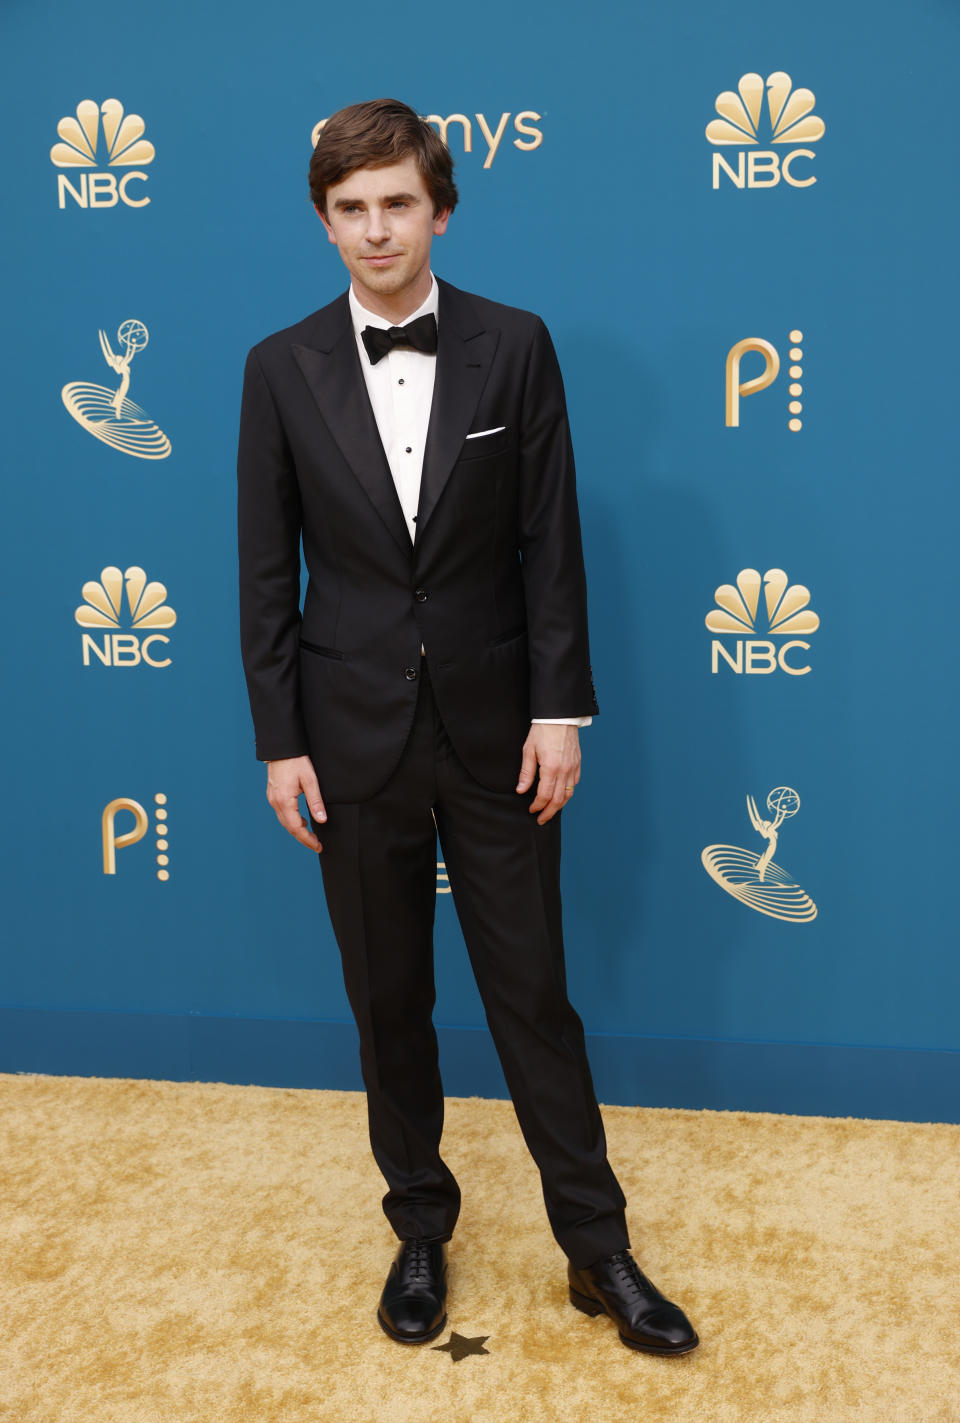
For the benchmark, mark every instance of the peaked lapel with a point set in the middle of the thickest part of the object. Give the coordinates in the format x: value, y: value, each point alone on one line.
x: 331, y: 368
x: 465, y: 350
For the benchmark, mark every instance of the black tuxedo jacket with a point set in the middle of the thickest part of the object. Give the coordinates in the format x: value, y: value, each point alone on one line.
x: 493, y: 585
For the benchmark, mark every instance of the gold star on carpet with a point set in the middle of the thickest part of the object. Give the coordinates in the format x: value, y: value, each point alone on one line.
x: 458, y: 1346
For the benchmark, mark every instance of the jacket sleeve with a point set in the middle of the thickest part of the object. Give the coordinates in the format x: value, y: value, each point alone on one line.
x: 561, y: 683
x: 268, y: 524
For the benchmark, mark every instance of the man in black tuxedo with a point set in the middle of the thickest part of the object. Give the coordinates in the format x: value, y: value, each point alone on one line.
x: 415, y: 438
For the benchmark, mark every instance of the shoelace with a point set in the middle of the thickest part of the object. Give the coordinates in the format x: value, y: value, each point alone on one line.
x: 630, y: 1273
x: 416, y: 1260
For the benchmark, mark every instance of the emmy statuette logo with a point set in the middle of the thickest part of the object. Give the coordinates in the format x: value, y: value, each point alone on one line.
x: 443, y: 879
x: 102, y: 136
x: 736, y: 389
x: 146, y: 608
x: 528, y: 137
x: 787, y: 614
x: 757, y: 880
x: 789, y: 121
x: 110, y: 415
x: 114, y: 840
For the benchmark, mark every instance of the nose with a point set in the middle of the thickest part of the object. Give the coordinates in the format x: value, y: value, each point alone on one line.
x: 376, y: 225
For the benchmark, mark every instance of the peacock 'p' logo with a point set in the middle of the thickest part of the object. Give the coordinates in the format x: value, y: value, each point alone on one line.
x: 114, y: 839
x: 118, y: 600
x: 761, y: 112
x: 101, y: 136
x: 786, y: 613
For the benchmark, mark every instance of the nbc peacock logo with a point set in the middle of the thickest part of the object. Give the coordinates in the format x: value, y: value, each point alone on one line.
x: 787, y: 119
x: 110, y: 415
x: 126, y: 599
x: 101, y: 136
x: 756, y: 879
x: 737, y: 612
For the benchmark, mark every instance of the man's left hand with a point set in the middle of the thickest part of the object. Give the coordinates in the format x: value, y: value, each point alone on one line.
x: 556, y: 750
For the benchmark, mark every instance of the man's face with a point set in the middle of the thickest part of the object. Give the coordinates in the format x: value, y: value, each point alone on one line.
x: 382, y: 222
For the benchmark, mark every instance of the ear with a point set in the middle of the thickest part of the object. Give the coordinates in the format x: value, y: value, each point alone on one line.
x: 440, y: 222
x: 326, y: 224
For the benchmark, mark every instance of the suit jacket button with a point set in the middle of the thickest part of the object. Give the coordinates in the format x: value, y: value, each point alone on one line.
x: 410, y: 673
x: 420, y: 595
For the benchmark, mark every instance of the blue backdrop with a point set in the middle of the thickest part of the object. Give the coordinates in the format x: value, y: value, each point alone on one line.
x: 651, y: 249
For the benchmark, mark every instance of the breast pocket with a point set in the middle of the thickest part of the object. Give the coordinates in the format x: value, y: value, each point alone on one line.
x: 481, y: 444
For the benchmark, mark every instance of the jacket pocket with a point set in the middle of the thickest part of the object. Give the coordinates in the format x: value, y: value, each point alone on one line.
x: 323, y: 651
x: 485, y: 444
x: 508, y: 636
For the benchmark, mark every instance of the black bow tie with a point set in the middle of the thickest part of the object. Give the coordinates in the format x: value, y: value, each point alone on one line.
x: 420, y: 334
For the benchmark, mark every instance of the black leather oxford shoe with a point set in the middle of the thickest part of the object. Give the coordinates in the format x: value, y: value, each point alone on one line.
x: 645, y: 1318
x: 412, y: 1304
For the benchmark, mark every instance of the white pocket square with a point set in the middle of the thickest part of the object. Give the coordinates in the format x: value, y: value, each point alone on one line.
x: 477, y: 433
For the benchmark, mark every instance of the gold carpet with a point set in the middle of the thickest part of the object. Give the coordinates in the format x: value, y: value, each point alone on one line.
x: 198, y: 1253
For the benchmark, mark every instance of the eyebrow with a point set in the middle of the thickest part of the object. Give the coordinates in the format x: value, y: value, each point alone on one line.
x: 389, y: 198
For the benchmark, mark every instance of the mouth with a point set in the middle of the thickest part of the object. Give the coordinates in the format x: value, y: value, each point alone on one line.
x: 380, y: 259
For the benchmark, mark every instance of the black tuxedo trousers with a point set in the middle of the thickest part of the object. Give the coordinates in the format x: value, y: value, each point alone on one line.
x: 379, y: 864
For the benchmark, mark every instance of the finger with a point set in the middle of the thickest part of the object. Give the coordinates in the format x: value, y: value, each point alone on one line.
x: 311, y: 790
x: 557, y: 801
x: 528, y: 769
x: 542, y: 796
x: 551, y: 776
x: 307, y: 837
x: 288, y: 813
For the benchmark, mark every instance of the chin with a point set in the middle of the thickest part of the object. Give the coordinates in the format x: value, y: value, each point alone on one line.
x: 384, y: 279
x: 387, y: 280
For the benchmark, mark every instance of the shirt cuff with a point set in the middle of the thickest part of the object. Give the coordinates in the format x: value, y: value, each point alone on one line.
x: 561, y: 720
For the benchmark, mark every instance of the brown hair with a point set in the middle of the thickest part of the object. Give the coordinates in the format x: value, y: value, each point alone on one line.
x: 373, y: 135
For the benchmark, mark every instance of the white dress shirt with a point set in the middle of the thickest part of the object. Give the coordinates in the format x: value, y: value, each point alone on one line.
x: 400, y: 387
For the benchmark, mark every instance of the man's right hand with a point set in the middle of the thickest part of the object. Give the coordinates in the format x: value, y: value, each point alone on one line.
x: 286, y: 781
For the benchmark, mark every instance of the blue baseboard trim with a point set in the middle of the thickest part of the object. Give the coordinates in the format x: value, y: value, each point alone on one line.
x: 806, y: 1079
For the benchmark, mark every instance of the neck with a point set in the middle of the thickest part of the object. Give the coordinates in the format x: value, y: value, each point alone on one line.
x: 395, y: 306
